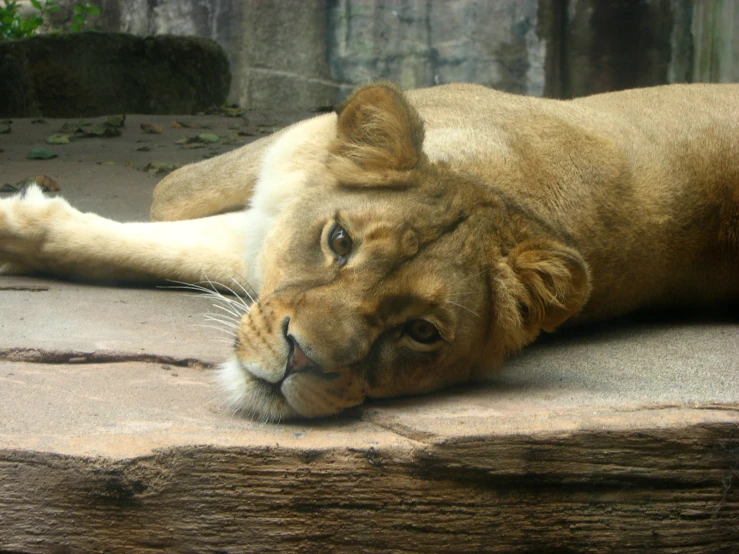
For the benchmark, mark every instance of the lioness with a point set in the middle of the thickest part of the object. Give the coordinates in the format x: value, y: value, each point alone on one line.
x: 410, y: 241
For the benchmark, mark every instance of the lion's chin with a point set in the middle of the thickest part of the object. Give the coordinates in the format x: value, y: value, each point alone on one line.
x: 295, y: 398
x: 254, y: 397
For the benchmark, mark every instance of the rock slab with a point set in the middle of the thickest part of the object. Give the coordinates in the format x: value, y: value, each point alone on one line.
x: 90, y: 74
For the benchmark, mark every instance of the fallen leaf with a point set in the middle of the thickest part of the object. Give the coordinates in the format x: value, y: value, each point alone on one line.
x: 208, y: 137
x: 57, y: 139
x: 179, y: 125
x: 116, y: 121
x: 39, y: 120
x: 7, y: 187
x: 228, y: 111
x: 160, y: 168
x: 41, y: 154
x: 6, y: 121
x: 151, y: 129
x: 100, y: 130
x: 5, y: 130
x: 47, y: 183
x: 69, y: 127
x: 144, y: 149
x: 199, y: 140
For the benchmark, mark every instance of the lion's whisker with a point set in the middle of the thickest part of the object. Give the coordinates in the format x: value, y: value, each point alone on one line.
x: 233, y: 311
x: 468, y: 277
x: 226, y: 301
x: 236, y: 307
x: 212, y: 291
x: 249, y: 295
x: 227, y: 329
x: 221, y: 330
x: 229, y: 289
x: 225, y: 320
x: 223, y: 334
x: 181, y: 285
x: 464, y: 308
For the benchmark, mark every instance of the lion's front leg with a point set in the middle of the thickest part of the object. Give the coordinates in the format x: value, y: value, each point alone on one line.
x: 41, y: 234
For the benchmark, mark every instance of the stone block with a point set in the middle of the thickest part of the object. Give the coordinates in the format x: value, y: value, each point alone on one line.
x: 88, y: 74
x: 617, y: 45
x: 291, y: 55
x: 283, y: 56
x: 716, y: 56
x: 416, y: 44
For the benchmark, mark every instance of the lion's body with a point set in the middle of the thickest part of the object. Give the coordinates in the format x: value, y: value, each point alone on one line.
x: 484, y: 216
x: 644, y: 184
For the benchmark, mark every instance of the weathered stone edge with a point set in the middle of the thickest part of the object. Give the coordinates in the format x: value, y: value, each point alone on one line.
x: 593, y: 491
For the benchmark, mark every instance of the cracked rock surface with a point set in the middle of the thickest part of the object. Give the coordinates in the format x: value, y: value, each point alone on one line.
x: 112, y: 435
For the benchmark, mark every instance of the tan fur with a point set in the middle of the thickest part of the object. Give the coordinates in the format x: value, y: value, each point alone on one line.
x: 489, y: 216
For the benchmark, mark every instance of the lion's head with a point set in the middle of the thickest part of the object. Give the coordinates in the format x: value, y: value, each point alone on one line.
x: 390, y: 275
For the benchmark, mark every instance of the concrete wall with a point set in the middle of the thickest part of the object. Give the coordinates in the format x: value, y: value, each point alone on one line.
x: 716, y: 35
x: 418, y: 43
x: 309, y: 53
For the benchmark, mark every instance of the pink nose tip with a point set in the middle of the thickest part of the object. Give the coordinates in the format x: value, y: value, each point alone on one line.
x: 298, y: 361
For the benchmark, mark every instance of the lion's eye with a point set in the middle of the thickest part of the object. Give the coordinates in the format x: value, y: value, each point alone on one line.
x: 422, y: 331
x: 339, y: 241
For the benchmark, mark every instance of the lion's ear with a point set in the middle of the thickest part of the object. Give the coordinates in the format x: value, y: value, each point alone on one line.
x: 379, y: 130
x: 556, y: 283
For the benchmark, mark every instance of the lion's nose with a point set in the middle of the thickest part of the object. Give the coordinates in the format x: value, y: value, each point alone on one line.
x: 297, y: 360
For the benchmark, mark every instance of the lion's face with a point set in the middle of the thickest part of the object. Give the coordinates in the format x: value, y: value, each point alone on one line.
x: 390, y: 276
x: 378, y: 294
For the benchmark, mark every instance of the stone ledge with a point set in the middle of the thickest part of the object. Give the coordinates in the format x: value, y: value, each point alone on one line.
x: 136, y: 456
x: 351, y: 486
x: 90, y: 74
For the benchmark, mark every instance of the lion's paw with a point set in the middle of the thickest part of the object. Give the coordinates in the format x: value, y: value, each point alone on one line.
x: 25, y: 220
